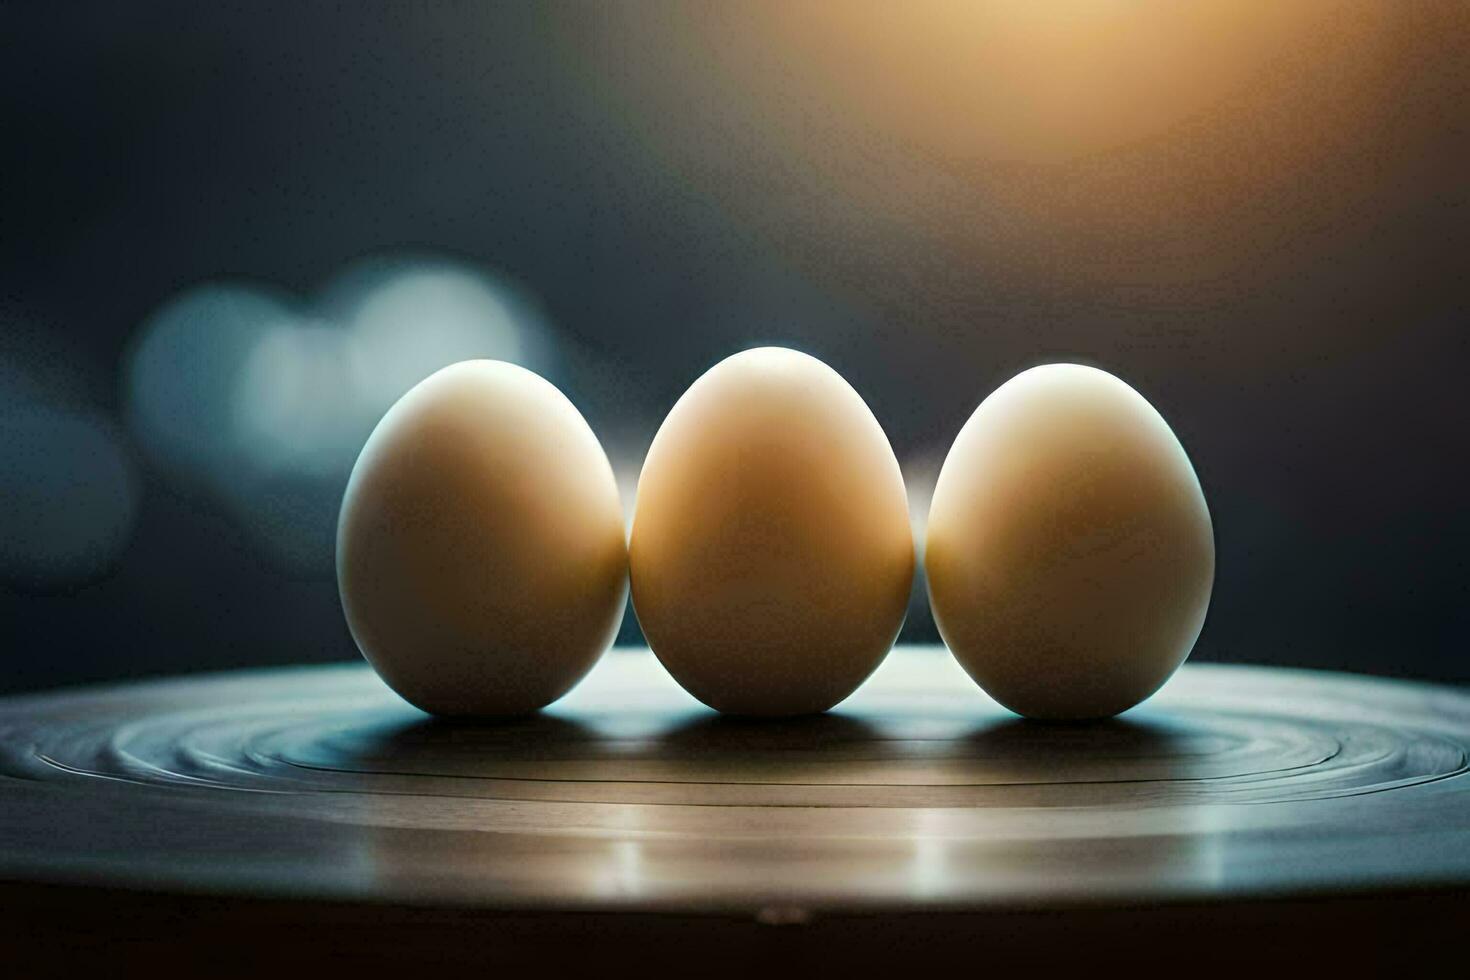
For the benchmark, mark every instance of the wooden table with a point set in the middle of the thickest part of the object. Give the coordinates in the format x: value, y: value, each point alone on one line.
x: 242, y: 820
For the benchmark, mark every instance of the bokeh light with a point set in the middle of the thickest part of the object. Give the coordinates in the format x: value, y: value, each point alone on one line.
x: 408, y: 319
x: 69, y: 487
x: 265, y: 402
x: 70, y: 495
x: 296, y: 400
x: 182, y: 370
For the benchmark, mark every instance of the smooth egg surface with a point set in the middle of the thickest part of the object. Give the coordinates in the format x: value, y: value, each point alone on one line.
x: 1069, y: 553
x: 771, y: 552
x: 481, y: 555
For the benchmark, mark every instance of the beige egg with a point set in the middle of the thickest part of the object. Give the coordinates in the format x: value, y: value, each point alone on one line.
x: 480, y: 550
x: 1069, y: 552
x: 771, y: 552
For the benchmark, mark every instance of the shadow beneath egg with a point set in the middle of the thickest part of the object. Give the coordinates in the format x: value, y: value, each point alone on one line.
x: 426, y: 744
x: 717, y: 732
x: 1121, y: 738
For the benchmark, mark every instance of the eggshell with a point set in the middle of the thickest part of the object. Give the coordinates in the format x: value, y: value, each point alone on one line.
x: 771, y: 551
x: 1069, y: 554
x: 480, y: 550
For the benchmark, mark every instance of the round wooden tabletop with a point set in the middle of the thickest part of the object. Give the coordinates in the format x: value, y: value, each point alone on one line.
x: 316, y: 788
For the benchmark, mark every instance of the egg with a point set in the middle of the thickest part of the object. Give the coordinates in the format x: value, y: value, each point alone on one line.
x: 481, y: 555
x: 1069, y: 552
x: 771, y: 554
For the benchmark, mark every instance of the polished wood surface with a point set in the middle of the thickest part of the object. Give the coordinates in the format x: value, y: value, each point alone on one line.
x: 1232, y: 786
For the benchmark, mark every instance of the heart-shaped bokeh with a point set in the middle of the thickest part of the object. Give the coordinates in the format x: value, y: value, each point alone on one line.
x: 263, y: 399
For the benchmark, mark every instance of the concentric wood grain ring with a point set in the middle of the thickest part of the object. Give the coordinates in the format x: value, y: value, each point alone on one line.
x: 1232, y: 781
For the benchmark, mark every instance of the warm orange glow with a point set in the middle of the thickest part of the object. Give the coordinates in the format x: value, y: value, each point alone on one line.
x: 1082, y: 139
x: 1045, y: 81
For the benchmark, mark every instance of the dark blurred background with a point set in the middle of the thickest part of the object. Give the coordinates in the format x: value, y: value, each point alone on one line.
x: 230, y: 236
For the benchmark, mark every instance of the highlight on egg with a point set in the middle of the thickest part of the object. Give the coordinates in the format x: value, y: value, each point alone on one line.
x: 1070, y: 554
x: 771, y: 554
x: 481, y: 556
